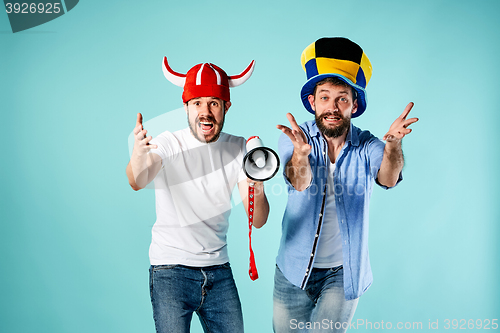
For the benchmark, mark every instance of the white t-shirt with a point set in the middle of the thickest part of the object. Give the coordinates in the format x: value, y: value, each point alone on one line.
x: 329, y: 252
x: 193, y: 198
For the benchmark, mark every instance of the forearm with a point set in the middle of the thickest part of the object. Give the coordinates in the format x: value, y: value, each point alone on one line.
x: 261, y: 206
x: 298, y: 171
x: 392, y: 164
x: 138, y: 172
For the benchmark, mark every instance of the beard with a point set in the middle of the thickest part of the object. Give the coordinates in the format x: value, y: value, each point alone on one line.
x: 336, y: 130
x: 206, y: 138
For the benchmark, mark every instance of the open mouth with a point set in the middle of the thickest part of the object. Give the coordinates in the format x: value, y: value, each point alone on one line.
x: 332, y: 119
x: 206, y: 126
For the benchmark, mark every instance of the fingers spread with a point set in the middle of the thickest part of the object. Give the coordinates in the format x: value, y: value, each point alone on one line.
x: 298, y: 136
x: 282, y: 128
x: 287, y: 131
x: 410, y: 121
x: 407, y: 110
x: 292, y: 121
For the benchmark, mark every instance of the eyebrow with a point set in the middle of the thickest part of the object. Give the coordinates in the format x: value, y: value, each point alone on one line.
x: 341, y: 92
x: 210, y: 99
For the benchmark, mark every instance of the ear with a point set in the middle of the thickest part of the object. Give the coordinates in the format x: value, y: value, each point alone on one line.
x: 310, y: 98
x: 186, y: 107
x: 355, y: 106
x: 227, y: 106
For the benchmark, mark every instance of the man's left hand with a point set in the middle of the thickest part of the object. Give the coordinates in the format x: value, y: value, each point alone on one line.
x: 258, y: 186
x: 399, y: 127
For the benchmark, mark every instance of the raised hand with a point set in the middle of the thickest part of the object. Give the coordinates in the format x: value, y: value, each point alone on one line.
x: 298, y: 169
x: 141, y: 144
x: 399, y: 127
x: 295, y: 134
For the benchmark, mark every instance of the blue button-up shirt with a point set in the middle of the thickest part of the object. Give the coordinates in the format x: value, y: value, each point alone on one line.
x: 356, y: 169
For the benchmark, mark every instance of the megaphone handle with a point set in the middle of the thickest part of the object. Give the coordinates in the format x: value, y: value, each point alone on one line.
x: 252, y: 271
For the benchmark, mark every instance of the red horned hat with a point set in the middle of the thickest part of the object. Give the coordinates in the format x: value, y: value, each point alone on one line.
x: 206, y: 80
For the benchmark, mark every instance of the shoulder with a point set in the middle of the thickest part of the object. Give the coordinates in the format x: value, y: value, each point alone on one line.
x: 174, y: 136
x: 235, y: 145
x: 169, y: 143
x: 233, y: 140
x: 164, y: 138
x: 309, y: 127
x: 364, y: 136
x: 226, y: 137
x: 367, y: 142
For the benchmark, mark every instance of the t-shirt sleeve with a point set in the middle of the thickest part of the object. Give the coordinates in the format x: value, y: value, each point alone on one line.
x: 375, y: 156
x: 242, y: 175
x: 164, y: 149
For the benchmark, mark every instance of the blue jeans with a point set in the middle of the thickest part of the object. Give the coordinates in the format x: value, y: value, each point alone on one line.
x: 177, y: 291
x: 321, y: 307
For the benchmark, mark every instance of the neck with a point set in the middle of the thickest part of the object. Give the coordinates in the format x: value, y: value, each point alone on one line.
x: 335, y: 146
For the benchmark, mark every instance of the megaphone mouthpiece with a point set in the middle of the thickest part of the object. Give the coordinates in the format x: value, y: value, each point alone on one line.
x: 259, y: 158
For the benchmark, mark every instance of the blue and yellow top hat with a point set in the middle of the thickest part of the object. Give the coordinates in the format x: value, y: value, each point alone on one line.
x: 338, y: 57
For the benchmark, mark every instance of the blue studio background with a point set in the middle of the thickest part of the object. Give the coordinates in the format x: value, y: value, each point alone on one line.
x: 74, y: 236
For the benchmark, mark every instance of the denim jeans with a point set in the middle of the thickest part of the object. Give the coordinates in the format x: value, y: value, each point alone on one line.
x: 177, y: 291
x: 321, y: 307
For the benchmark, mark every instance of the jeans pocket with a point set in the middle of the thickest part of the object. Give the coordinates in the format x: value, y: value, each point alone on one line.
x: 226, y: 265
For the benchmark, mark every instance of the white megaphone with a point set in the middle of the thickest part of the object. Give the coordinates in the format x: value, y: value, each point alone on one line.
x: 260, y: 163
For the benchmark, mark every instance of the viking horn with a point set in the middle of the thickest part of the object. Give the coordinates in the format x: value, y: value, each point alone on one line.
x: 236, y: 80
x: 171, y: 75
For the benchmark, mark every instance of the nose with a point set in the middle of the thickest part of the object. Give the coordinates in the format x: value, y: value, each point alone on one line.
x: 204, y: 109
x: 333, y: 105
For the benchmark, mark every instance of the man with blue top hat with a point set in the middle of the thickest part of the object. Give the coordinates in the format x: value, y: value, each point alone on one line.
x: 330, y: 168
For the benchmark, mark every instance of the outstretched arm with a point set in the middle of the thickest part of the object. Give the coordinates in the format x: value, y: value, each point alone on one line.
x: 298, y: 169
x: 393, y: 160
x: 142, y: 167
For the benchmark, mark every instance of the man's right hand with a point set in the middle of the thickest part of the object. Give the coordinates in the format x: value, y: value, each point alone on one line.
x: 298, y: 138
x: 298, y: 169
x: 141, y: 143
x: 142, y: 167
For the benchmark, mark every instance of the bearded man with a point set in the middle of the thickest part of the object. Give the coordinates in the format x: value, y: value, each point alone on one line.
x: 331, y: 165
x: 194, y: 172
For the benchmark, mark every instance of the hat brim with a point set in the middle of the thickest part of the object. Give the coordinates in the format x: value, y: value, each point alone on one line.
x: 308, y: 89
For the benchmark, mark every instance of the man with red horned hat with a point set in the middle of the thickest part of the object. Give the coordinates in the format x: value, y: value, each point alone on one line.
x: 195, y: 171
x: 331, y: 167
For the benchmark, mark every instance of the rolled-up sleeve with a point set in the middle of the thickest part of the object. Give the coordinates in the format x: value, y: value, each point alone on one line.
x: 375, y: 151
